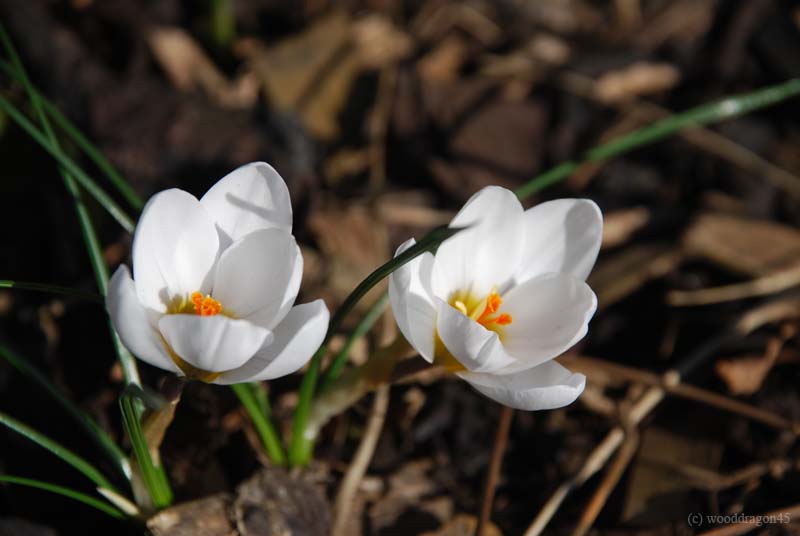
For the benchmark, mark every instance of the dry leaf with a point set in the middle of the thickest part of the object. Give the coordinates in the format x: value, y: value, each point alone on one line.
x: 744, y: 375
x: 636, y: 80
x: 656, y: 492
x: 355, y: 242
x: 310, y: 73
x: 443, y: 63
x: 464, y: 525
x: 189, y: 67
x: 618, y: 276
x: 742, y: 245
x: 379, y: 42
x: 620, y: 225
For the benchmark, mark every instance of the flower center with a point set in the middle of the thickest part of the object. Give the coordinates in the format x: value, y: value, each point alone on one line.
x: 205, y: 305
x: 197, y: 304
x: 201, y: 306
x: 484, y: 312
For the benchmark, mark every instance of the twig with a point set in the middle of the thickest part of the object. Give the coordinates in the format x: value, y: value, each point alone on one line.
x: 704, y: 479
x: 351, y: 480
x: 500, y: 442
x: 691, y: 392
x: 781, y: 515
x: 615, y: 472
x: 750, y: 321
x: 762, y: 286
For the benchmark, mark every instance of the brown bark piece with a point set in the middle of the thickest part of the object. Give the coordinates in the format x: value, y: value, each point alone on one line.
x: 209, y: 516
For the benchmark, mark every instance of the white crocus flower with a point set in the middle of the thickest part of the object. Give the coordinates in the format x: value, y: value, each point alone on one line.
x: 499, y: 300
x: 214, y: 282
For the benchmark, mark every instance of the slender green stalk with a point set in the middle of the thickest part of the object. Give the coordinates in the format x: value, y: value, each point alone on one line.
x: 262, y: 423
x: 301, y: 446
x: 153, y: 476
x: 52, y: 289
x: 69, y: 170
x: 66, y: 492
x: 223, y: 22
x: 95, y: 432
x: 69, y: 128
x: 363, y: 327
x: 705, y: 114
x: 69, y: 165
x: 59, y: 450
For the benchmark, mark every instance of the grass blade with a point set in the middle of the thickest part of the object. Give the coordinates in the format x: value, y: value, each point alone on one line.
x: 363, y: 327
x: 68, y: 171
x: 52, y: 289
x: 261, y: 421
x: 69, y: 128
x: 705, y: 114
x: 95, y: 432
x: 69, y: 165
x: 301, y: 446
x: 153, y: 476
x: 57, y: 449
x: 66, y: 492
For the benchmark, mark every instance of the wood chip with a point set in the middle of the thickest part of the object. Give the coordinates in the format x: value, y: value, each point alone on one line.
x: 636, y: 80
x: 744, y: 246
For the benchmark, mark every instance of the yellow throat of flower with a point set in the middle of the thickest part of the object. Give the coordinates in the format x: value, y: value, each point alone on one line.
x: 483, y: 311
x: 201, y: 306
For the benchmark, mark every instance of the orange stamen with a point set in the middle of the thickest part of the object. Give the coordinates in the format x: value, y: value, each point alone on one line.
x: 493, y: 302
x: 504, y: 319
x: 205, y: 305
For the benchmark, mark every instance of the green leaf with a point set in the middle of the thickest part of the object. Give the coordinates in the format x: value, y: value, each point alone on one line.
x: 69, y: 128
x: 261, y: 421
x: 59, y: 450
x: 301, y: 447
x: 69, y: 165
x: 66, y: 492
x: 152, y: 475
x: 68, y: 171
x: 52, y: 289
x: 95, y: 432
x: 706, y: 114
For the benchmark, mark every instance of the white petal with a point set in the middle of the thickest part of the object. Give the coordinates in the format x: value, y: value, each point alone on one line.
x: 561, y: 236
x: 412, y: 302
x: 249, y: 198
x: 130, y: 320
x: 174, y: 249
x: 258, y: 277
x: 296, y: 339
x: 212, y: 343
x: 550, y: 314
x: 488, y: 253
x: 547, y: 386
x: 474, y: 346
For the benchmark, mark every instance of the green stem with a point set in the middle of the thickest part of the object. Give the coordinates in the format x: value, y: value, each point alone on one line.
x: 68, y: 171
x: 94, y: 430
x: 68, y: 165
x: 66, y: 492
x: 302, y: 445
x: 89, y: 470
x: 714, y: 112
x: 52, y: 289
x: 363, y: 327
x: 261, y: 421
x: 153, y: 476
x: 83, y: 142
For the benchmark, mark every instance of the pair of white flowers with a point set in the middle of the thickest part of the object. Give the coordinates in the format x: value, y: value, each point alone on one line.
x: 215, y: 281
